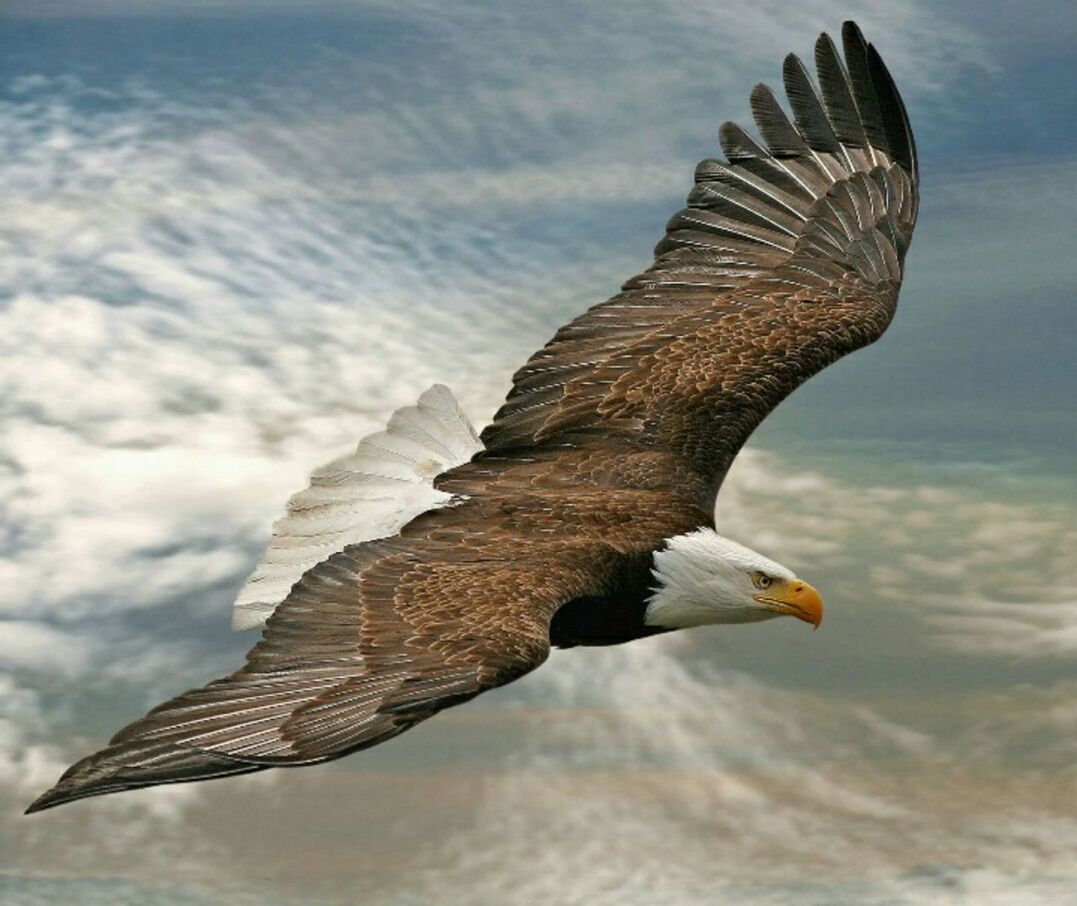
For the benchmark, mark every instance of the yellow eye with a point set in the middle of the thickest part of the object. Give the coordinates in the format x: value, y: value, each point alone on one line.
x: 759, y: 580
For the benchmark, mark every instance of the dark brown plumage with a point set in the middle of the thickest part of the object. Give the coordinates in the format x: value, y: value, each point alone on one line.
x: 614, y: 437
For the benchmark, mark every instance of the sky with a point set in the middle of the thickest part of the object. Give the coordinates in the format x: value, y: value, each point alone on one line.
x: 236, y: 236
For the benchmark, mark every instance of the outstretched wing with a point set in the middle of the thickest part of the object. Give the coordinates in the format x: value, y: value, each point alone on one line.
x: 371, y: 641
x: 787, y: 257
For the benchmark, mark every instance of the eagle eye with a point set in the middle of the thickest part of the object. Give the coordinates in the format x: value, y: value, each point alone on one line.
x: 760, y: 580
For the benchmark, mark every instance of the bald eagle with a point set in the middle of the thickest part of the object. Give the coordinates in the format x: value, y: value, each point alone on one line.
x: 432, y: 564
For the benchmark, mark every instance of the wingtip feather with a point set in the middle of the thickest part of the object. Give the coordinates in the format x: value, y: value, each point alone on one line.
x: 58, y: 795
x: 135, y: 763
x: 44, y: 802
x: 895, y: 117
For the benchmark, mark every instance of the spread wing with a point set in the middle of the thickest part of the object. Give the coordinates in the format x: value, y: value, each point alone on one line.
x: 387, y: 633
x: 371, y: 641
x: 787, y: 257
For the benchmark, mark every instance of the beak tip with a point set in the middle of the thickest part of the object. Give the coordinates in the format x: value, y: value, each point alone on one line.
x: 811, y: 603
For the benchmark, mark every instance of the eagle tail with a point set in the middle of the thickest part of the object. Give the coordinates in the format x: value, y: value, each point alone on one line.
x: 369, y: 494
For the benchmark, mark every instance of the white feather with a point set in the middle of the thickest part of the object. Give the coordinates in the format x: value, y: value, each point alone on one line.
x: 369, y: 494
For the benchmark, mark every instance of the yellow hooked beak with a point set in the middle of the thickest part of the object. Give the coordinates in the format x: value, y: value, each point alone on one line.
x: 795, y: 598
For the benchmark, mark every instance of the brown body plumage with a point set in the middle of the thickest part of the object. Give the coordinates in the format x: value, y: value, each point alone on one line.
x: 614, y: 438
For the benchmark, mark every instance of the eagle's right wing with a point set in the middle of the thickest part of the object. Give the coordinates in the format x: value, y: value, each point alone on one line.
x: 371, y: 641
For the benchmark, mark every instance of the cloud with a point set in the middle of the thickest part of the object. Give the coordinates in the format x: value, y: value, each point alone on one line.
x: 651, y: 781
x: 37, y: 646
x: 1025, y: 630
x: 23, y: 765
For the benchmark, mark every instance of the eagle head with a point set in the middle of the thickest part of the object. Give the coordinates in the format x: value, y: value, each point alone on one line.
x: 703, y: 578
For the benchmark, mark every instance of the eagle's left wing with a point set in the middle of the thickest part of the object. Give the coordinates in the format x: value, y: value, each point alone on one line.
x: 788, y: 256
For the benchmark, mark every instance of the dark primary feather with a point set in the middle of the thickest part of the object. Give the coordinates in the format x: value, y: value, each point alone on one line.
x: 841, y: 109
x: 614, y: 437
x: 811, y: 119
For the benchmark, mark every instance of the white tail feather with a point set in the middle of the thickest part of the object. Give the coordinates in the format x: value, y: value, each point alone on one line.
x: 369, y: 494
